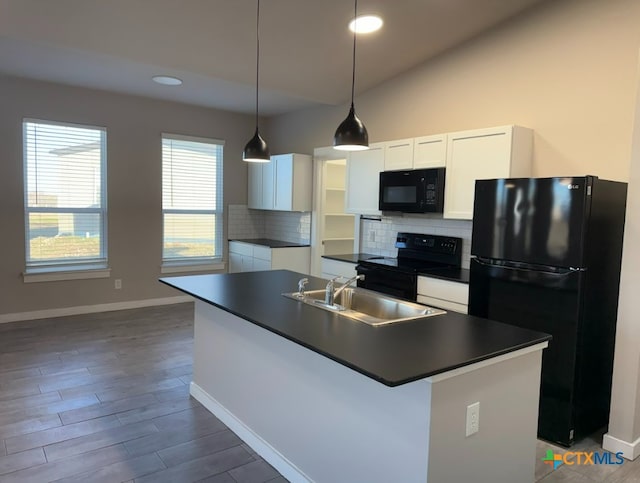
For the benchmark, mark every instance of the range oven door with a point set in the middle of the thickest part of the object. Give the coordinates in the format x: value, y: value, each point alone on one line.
x: 391, y: 282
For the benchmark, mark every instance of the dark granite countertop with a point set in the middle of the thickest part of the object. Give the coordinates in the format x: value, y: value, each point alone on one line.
x: 351, y: 257
x: 267, y: 242
x: 392, y: 354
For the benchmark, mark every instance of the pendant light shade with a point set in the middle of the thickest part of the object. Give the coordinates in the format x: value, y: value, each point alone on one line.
x: 351, y: 134
x: 256, y: 150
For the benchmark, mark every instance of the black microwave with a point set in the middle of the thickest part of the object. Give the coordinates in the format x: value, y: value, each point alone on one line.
x: 412, y: 191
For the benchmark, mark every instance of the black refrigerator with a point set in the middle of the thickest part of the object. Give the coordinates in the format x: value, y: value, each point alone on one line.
x: 546, y: 256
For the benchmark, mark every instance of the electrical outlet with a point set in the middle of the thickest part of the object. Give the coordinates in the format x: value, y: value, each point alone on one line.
x: 473, y: 418
x: 118, y: 283
x: 372, y: 235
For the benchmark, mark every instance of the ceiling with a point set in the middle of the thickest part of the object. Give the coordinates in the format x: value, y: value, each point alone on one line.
x: 305, y: 51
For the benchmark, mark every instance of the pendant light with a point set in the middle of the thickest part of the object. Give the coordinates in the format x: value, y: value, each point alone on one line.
x: 256, y: 150
x: 351, y: 134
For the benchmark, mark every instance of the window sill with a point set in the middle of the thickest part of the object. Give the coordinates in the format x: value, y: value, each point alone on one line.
x: 56, y: 275
x: 183, y: 268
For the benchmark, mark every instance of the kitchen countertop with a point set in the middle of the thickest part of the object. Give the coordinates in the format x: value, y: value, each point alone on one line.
x: 268, y: 242
x: 393, y: 354
x: 452, y: 274
x: 351, y: 257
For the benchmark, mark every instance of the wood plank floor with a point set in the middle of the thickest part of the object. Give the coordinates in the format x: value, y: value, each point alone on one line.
x: 105, y: 398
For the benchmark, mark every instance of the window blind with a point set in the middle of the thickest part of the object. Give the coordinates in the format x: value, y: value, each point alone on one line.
x: 192, y: 203
x: 65, y: 195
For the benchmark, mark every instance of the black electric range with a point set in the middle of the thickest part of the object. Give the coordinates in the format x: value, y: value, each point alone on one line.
x: 417, y: 253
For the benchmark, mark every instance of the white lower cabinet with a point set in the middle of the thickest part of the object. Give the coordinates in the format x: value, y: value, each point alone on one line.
x: 240, y: 263
x: 444, y: 294
x: 335, y: 268
x: 249, y: 257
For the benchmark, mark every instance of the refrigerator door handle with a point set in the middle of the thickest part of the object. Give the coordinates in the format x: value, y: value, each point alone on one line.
x: 555, y: 273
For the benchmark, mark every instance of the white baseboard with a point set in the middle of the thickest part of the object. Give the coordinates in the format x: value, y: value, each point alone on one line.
x: 259, y: 445
x: 629, y: 450
x: 92, y: 309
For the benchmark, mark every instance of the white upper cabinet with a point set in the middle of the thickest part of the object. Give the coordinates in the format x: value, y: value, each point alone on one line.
x: 254, y: 195
x: 268, y: 182
x: 500, y: 152
x: 398, y: 154
x: 283, y: 184
x: 363, y: 180
x: 430, y: 151
x: 416, y: 153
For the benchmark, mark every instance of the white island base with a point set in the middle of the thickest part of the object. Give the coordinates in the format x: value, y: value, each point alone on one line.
x: 314, y: 419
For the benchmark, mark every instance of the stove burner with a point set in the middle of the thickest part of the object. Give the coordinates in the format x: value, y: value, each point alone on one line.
x: 417, y: 253
x: 404, y: 264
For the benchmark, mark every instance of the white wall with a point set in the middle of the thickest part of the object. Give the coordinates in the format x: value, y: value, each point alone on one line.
x: 134, y: 126
x: 566, y: 69
x: 624, y: 426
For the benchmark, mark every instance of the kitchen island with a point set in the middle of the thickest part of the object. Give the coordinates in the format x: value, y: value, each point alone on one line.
x: 325, y: 398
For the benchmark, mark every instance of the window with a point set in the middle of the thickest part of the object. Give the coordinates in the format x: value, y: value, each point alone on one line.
x: 65, y: 196
x: 191, y: 200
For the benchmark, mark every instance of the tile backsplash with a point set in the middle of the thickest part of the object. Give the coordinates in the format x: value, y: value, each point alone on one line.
x: 288, y: 226
x: 378, y: 237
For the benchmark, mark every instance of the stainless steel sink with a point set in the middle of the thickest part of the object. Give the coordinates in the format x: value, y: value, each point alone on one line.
x: 367, y: 306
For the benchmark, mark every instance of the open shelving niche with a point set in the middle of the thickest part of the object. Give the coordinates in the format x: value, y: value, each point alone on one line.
x: 339, y: 227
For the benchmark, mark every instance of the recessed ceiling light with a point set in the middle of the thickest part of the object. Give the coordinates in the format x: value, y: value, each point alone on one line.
x: 365, y: 24
x: 167, y: 80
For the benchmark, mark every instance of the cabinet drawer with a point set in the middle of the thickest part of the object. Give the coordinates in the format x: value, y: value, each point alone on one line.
x: 335, y: 268
x: 263, y: 253
x: 456, y: 292
x: 241, y: 248
x: 442, y: 304
x: 259, y: 264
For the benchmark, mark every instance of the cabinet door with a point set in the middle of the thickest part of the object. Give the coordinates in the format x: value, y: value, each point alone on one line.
x: 259, y: 264
x: 398, y: 154
x: 445, y: 294
x: 235, y: 262
x: 430, y: 152
x: 268, y: 185
x: 334, y: 268
x: 302, y: 187
x: 283, y: 181
x: 254, y: 191
x: 363, y: 180
x: 247, y: 263
x: 472, y: 155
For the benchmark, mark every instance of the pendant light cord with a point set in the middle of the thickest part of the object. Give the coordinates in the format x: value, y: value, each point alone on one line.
x: 353, y: 72
x: 258, y: 59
